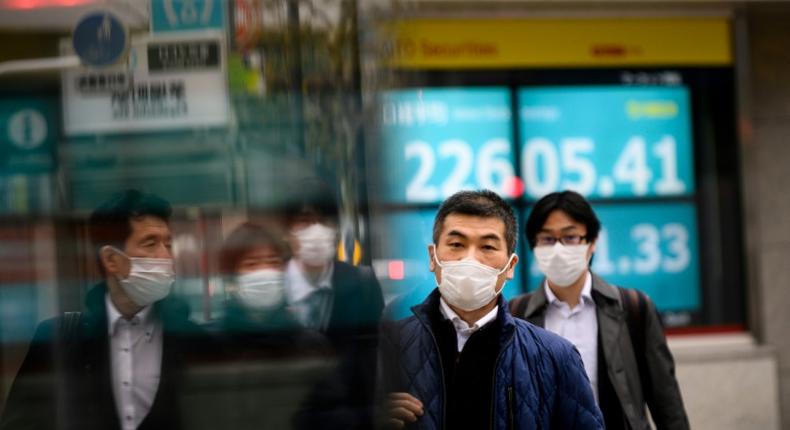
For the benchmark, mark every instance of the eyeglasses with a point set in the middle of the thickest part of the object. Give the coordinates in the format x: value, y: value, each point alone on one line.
x: 567, y: 240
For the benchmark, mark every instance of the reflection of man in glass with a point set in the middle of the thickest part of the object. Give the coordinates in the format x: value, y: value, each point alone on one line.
x: 626, y: 372
x: 343, y: 301
x: 326, y: 294
x: 117, y: 363
x: 461, y: 361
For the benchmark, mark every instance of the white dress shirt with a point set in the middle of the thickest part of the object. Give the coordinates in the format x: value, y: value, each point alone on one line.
x: 310, y: 304
x: 136, y: 358
x: 578, y: 325
x: 464, y: 331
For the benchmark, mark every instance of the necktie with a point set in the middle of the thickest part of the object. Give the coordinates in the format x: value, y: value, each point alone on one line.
x: 319, y: 306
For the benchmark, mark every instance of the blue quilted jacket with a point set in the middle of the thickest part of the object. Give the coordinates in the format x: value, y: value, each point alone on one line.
x: 539, y: 379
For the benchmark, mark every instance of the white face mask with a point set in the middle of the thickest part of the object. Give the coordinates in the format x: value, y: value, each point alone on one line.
x: 262, y: 289
x: 562, y: 264
x: 149, y: 279
x: 316, y: 244
x: 468, y: 284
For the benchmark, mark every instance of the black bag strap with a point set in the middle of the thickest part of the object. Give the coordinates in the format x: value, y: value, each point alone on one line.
x: 518, y: 305
x: 65, y: 353
x: 635, y: 306
x: 69, y: 327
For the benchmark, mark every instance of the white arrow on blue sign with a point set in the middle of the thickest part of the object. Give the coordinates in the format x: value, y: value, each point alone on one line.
x: 100, y: 39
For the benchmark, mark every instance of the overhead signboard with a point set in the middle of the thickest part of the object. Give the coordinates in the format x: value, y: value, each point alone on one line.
x: 543, y: 42
x: 170, y: 82
x: 187, y: 15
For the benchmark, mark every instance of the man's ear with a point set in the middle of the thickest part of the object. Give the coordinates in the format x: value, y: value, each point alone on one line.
x: 431, y: 258
x: 109, y: 259
x: 511, y: 270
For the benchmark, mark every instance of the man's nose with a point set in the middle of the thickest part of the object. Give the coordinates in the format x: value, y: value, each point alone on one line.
x: 475, y: 253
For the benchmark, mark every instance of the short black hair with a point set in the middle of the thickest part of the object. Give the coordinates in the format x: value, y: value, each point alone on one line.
x: 109, y: 224
x: 572, y: 204
x: 312, y: 196
x: 482, y: 203
x: 244, y: 239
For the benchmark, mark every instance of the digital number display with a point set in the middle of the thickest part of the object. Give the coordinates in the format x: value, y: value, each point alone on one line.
x: 606, y: 142
x: 652, y: 247
x: 628, y: 143
x: 440, y: 141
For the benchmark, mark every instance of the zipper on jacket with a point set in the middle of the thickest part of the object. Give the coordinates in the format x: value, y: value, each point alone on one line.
x: 441, y: 369
x: 510, y: 412
x: 493, y: 379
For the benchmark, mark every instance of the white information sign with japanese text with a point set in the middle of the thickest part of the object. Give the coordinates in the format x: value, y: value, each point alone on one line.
x: 169, y: 82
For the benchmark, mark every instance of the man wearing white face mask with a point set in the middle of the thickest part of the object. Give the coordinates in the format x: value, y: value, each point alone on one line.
x: 617, y: 331
x: 115, y: 365
x: 328, y: 295
x: 340, y: 300
x: 461, y: 361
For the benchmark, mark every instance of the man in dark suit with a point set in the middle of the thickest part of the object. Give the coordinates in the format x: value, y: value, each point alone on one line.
x: 117, y: 364
x: 342, y: 301
x: 627, y: 371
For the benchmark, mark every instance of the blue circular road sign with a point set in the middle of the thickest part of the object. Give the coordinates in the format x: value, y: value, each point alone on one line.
x: 100, y: 39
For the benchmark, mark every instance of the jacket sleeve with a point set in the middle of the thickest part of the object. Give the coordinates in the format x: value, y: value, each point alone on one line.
x: 575, y: 406
x: 31, y: 401
x: 662, y: 393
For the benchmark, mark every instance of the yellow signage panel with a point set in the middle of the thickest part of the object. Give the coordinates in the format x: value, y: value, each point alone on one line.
x: 508, y: 43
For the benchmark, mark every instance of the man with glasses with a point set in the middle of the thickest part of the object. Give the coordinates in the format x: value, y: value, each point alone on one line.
x: 617, y: 331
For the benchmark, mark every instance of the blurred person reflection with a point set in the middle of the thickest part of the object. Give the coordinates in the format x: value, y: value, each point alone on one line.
x: 254, y: 259
x: 266, y: 350
x: 461, y: 360
x: 118, y: 363
x: 617, y: 331
x: 338, y: 299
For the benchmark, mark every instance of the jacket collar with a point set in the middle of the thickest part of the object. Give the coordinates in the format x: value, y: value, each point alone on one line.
x: 173, y: 311
x: 604, y: 288
x: 603, y: 293
x: 431, y: 303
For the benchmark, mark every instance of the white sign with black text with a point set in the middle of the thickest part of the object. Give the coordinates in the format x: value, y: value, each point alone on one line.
x: 169, y: 82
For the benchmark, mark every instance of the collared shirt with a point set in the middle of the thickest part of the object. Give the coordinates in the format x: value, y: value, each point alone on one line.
x: 578, y: 325
x: 463, y: 330
x: 310, y: 304
x: 136, y: 357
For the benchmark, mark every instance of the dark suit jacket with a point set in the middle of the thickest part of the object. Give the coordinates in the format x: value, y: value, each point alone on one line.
x: 345, y: 399
x: 67, y: 383
x: 615, y: 349
x: 358, y: 303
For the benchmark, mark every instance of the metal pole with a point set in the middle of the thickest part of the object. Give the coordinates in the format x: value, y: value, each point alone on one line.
x: 295, y: 68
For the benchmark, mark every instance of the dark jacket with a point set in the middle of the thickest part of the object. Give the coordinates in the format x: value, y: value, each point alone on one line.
x: 267, y: 367
x: 345, y: 398
x: 358, y: 303
x: 616, y: 350
x: 539, y: 379
x: 66, y: 383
